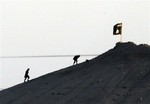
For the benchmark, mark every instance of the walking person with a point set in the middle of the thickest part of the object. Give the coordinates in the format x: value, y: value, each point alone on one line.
x: 26, y: 76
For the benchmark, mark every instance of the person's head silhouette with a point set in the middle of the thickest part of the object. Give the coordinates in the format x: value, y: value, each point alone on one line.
x: 28, y: 69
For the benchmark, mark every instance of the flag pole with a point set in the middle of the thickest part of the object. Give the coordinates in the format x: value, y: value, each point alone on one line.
x: 121, y: 38
x: 121, y: 34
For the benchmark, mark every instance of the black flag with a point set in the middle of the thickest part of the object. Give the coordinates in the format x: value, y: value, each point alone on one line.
x: 117, y: 29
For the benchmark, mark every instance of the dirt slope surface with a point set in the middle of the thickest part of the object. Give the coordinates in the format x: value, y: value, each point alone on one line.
x: 119, y: 76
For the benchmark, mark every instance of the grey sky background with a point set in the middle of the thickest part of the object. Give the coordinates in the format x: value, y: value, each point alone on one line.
x: 62, y: 27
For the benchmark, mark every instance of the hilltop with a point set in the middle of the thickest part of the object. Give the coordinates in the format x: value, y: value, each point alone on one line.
x: 118, y: 76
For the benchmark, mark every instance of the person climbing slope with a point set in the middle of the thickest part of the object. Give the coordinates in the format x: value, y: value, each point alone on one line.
x: 75, y: 58
x: 26, y: 76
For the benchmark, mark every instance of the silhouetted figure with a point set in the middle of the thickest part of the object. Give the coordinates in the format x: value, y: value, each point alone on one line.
x: 26, y: 76
x: 75, y: 58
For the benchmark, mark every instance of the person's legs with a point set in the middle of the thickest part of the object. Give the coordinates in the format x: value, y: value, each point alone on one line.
x: 24, y: 79
x: 28, y: 78
x: 74, y: 62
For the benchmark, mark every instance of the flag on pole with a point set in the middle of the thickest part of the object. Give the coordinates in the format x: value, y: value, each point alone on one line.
x: 117, y: 29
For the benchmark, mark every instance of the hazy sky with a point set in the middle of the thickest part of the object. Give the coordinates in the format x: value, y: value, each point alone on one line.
x: 56, y: 27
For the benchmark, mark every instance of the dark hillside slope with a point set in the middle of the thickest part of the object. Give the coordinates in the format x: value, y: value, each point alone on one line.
x: 119, y: 76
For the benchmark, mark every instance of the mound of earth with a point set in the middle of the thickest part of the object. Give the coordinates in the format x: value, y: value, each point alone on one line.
x: 119, y: 76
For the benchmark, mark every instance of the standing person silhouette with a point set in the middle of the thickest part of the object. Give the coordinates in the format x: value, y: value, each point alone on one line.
x: 26, y: 76
x: 75, y: 58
